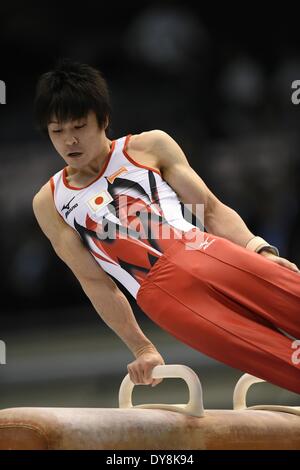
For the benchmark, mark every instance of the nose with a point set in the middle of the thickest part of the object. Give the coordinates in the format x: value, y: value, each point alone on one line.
x: 71, y: 140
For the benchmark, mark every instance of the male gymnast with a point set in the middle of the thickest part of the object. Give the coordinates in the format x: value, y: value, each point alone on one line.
x: 227, y: 294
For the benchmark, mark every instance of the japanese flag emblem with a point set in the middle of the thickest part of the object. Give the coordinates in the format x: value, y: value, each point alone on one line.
x: 100, y: 200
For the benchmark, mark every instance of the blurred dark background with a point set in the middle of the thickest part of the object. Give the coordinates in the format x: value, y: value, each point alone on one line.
x: 218, y: 82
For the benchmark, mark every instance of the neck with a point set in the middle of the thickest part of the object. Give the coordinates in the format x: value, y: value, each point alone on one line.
x: 93, y: 167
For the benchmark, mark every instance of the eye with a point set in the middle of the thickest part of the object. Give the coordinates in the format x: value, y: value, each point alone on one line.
x: 79, y: 127
x: 56, y: 131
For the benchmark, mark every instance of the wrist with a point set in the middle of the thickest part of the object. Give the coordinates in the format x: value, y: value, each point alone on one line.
x: 147, y: 348
x: 258, y: 244
x: 268, y: 250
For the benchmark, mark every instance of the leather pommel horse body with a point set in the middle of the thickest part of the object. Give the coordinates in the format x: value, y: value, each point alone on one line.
x: 155, y: 426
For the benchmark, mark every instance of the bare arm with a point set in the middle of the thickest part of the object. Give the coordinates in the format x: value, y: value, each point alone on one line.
x: 107, y: 299
x: 219, y: 219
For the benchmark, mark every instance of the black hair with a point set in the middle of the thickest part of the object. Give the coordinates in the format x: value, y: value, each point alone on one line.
x: 69, y: 92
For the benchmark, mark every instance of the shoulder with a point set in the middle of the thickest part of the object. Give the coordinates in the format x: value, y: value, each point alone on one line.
x: 42, y: 198
x: 149, y: 141
x: 161, y: 146
x: 45, y: 211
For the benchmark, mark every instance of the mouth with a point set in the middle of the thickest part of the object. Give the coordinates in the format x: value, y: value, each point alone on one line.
x: 74, y: 154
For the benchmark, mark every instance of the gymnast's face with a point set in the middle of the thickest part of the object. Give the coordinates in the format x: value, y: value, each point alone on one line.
x: 79, y: 141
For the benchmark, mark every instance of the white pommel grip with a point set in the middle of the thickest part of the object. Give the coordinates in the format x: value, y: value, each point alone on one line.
x: 194, y: 407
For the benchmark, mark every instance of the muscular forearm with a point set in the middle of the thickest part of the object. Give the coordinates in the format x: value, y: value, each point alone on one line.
x: 226, y: 222
x: 116, y: 312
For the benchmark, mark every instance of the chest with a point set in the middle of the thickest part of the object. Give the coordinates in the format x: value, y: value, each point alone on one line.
x: 141, y: 159
x: 112, y: 195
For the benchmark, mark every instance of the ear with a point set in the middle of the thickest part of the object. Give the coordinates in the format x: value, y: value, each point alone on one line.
x: 106, y: 123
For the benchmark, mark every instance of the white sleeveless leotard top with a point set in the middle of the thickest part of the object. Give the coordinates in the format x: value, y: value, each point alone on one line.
x: 127, y: 217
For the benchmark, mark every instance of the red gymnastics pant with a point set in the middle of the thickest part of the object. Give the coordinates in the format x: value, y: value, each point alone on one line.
x: 227, y: 302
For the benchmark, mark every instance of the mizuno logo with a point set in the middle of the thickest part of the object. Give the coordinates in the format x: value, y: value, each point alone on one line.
x: 205, y: 244
x: 67, y: 207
